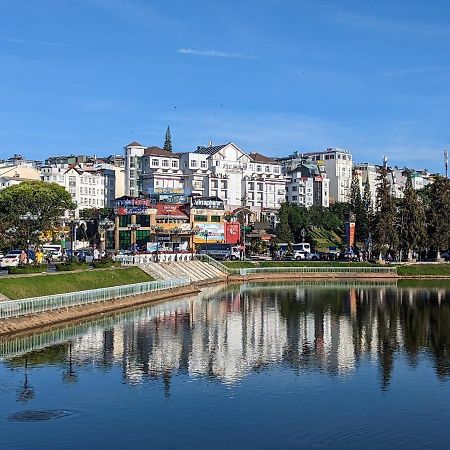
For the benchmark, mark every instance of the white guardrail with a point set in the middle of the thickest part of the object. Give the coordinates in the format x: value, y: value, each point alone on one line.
x: 22, y: 307
x: 314, y: 269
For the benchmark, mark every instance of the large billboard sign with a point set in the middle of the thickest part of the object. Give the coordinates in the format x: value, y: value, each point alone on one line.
x: 232, y: 232
x: 131, y: 206
x: 209, y: 231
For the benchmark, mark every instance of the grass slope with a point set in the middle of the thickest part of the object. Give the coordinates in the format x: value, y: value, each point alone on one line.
x: 424, y: 269
x: 40, y: 285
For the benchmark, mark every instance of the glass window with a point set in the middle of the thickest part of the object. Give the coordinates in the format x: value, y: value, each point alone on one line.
x: 215, y: 218
x: 124, y: 221
x: 143, y: 220
x: 203, y: 164
x: 124, y: 240
x: 267, y: 168
x: 165, y: 163
x: 142, y: 237
x: 174, y: 163
x: 198, y: 218
x: 193, y: 163
x: 258, y: 168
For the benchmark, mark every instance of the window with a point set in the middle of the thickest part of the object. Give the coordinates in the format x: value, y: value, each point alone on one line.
x: 214, y: 184
x: 258, y: 168
x: 193, y: 163
x: 198, y: 218
x: 124, y: 221
x: 260, y: 186
x: 223, y: 184
x: 267, y: 169
x: 124, y: 240
x: 174, y: 163
x: 215, y: 218
x: 294, y: 198
x: 165, y: 163
x: 294, y: 189
x: 143, y: 220
x: 251, y: 186
x: 276, y: 169
x: 203, y: 164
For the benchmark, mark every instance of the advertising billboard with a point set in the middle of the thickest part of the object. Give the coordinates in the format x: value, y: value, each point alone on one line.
x: 232, y: 232
x: 212, y: 231
x: 126, y: 206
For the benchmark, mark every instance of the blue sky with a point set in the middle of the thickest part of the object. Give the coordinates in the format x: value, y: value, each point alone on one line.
x: 89, y: 76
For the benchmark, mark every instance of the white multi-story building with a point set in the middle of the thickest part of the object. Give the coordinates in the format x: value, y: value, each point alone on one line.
x: 151, y: 170
x: 308, y: 185
x: 227, y: 172
x: 87, y: 187
x: 338, y: 166
x: 15, y: 170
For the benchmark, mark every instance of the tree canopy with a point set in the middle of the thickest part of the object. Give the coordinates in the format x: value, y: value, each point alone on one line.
x: 168, y: 141
x: 47, y: 202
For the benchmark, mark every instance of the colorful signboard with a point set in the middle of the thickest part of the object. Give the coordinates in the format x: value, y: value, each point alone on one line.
x: 232, y: 232
x: 127, y: 206
x: 168, y: 190
x: 214, y: 232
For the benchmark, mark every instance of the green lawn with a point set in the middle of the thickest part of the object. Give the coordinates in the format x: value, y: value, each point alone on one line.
x: 247, y: 264
x: 424, y: 269
x: 40, y: 285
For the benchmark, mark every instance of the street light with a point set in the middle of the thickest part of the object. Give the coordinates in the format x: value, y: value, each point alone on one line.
x: 29, y: 218
x: 104, y: 226
x: 206, y: 233
x: 157, y: 230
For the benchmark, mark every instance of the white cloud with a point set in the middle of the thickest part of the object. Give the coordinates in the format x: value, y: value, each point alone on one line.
x: 27, y: 41
x: 214, y: 53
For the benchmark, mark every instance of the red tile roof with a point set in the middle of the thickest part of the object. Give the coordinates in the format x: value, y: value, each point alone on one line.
x: 134, y: 144
x: 156, y: 151
x: 257, y: 157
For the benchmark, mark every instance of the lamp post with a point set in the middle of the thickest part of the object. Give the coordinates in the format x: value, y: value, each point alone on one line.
x: 133, y: 227
x: 206, y: 233
x: 73, y: 236
x: 157, y: 230
x: 104, y: 226
x: 28, y: 218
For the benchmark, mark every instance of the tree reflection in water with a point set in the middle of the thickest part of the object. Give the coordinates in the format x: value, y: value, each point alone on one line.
x: 238, y: 329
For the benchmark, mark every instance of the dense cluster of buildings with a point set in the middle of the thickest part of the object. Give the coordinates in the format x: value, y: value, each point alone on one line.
x: 156, y: 192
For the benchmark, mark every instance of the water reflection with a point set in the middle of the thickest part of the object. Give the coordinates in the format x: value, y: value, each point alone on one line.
x: 228, y: 332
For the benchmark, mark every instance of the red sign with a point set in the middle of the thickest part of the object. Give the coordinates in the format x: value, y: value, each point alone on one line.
x: 232, y: 232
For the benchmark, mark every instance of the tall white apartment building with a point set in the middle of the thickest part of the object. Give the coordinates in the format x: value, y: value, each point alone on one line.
x: 338, y: 166
x: 87, y: 187
x: 364, y: 172
x: 307, y: 185
x: 227, y: 172
x: 151, y: 170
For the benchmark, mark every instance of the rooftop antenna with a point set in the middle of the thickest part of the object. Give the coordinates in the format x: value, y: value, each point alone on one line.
x: 385, y: 161
x: 446, y: 162
x: 210, y: 143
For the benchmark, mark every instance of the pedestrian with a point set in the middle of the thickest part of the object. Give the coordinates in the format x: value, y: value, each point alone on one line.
x: 22, y: 258
x: 96, y: 254
x: 39, y: 257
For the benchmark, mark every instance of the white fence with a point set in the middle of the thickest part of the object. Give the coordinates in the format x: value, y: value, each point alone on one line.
x: 17, y: 308
x: 145, y: 258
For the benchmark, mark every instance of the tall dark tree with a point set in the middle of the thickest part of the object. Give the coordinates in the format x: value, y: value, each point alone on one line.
x: 438, y: 214
x: 168, y: 141
x: 367, y: 213
x: 385, y: 236
x: 283, y: 231
x: 357, y: 208
x: 412, y: 220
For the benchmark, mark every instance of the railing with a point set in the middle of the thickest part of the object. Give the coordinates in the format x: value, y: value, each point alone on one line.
x: 17, y: 308
x: 145, y: 258
x: 216, y: 264
x: 323, y: 269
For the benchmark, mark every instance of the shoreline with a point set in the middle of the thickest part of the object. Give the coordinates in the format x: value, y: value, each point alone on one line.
x: 30, y: 323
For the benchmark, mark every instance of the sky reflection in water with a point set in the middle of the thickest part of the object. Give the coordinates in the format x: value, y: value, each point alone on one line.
x: 240, y: 366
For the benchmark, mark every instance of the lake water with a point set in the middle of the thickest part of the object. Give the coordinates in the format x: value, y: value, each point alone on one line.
x: 246, y: 366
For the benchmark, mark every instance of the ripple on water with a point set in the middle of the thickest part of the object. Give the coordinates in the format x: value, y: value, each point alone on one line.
x: 39, y: 415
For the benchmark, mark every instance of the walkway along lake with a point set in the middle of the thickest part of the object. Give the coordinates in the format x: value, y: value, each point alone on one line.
x: 254, y: 365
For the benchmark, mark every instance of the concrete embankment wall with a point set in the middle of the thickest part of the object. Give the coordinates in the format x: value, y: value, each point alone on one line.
x: 32, y: 322
x: 280, y: 276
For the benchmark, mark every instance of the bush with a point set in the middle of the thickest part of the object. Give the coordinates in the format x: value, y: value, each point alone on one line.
x: 69, y: 266
x: 105, y: 263
x: 27, y: 269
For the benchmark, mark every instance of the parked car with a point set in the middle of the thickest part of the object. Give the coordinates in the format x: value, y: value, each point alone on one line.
x: 85, y: 256
x: 11, y: 259
x: 314, y: 256
x: 300, y: 255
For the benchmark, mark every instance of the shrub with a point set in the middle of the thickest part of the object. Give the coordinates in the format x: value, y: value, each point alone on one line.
x: 27, y: 269
x: 69, y: 266
x: 105, y: 263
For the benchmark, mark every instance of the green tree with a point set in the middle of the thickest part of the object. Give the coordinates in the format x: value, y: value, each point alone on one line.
x: 46, y: 201
x: 412, y: 220
x: 168, y: 141
x: 385, y: 236
x: 283, y: 230
x: 357, y: 208
x: 438, y: 214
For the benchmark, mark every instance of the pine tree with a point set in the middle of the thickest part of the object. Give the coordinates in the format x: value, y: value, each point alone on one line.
x: 283, y: 231
x: 357, y: 208
x: 385, y: 220
x: 367, y: 213
x: 412, y: 220
x: 168, y: 141
x: 438, y: 214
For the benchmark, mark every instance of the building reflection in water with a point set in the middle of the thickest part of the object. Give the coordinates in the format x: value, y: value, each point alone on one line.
x: 228, y: 332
